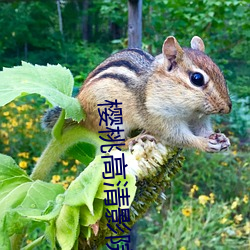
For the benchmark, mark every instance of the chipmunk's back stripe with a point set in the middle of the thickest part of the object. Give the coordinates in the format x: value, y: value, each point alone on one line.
x: 118, y: 63
x: 142, y: 53
x: 118, y: 77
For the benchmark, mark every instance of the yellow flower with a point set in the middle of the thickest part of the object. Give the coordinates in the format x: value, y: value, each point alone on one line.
x: 203, y: 199
x: 235, y: 203
x: 238, y: 218
x: 245, y: 199
x: 238, y: 233
x: 65, y: 163
x: 12, y: 105
x: 211, y: 195
x: 55, y: 178
x: 77, y: 162
x: 6, y: 141
x: 14, y: 123
x: 65, y: 185
x: 183, y: 248
x: 238, y: 159
x: 193, y: 190
x: 6, y: 113
x: 70, y: 178
x: 234, y: 152
x: 197, y: 242
x: 23, y: 164
x: 223, y: 220
x: 35, y: 159
x: 247, y: 227
x: 6, y: 149
x: 24, y: 154
x: 223, y: 235
x: 4, y: 134
x: 73, y: 168
x: 187, y: 211
x: 29, y: 124
x: 224, y: 164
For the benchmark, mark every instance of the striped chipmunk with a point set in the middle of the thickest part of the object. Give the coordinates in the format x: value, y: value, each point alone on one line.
x: 169, y: 97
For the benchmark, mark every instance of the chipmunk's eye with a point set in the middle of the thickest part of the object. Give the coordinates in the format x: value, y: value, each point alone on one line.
x: 197, y: 79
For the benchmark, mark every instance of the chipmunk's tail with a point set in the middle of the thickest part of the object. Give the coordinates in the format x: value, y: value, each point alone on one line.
x: 50, y: 117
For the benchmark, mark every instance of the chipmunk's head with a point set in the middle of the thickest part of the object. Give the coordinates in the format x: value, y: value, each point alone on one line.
x: 199, y: 78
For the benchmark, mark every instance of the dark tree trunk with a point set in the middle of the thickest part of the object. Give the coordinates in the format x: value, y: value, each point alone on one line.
x: 134, y: 23
x: 85, y: 20
x: 59, y: 16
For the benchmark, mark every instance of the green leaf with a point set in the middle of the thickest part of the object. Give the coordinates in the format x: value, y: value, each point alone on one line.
x: 14, y: 198
x: 83, y: 152
x: 6, y: 186
x: 39, y: 194
x: 86, y: 218
x: 57, y: 129
x: 9, y: 168
x: 45, y: 216
x: 14, y: 223
x: 53, y: 82
x: 67, y: 226
x: 34, y: 243
x: 50, y: 234
x: 86, y: 232
x: 83, y: 189
x: 4, y: 240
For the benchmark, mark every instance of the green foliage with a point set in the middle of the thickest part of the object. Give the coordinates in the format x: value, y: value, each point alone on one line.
x: 53, y: 82
x: 201, y: 223
x: 223, y: 25
x: 19, y: 198
x: 207, y: 207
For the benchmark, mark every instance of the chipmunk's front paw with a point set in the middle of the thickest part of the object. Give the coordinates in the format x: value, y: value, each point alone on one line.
x: 218, y: 142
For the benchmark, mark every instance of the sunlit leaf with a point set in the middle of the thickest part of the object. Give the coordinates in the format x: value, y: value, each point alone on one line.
x: 53, y: 82
x: 67, y: 226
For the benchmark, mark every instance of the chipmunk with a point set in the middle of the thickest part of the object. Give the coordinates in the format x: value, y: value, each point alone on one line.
x: 170, y: 96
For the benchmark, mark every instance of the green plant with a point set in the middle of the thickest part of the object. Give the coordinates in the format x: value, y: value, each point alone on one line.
x: 199, y: 223
x: 75, y: 217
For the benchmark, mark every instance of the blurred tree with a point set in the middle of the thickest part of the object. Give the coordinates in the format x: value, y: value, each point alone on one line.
x: 134, y: 23
x: 30, y: 31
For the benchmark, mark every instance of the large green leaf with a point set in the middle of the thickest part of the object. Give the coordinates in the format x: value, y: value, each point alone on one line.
x: 53, y: 82
x: 20, y: 197
x: 86, y: 218
x: 39, y: 194
x: 6, y: 186
x: 67, y: 226
x: 9, y: 168
x: 83, y: 152
x: 83, y: 189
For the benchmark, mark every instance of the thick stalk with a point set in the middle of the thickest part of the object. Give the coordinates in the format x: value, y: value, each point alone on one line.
x: 57, y: 147
x: 50, y: 156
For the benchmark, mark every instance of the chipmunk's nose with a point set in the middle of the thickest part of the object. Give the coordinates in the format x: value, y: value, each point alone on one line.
x: 227, y: 108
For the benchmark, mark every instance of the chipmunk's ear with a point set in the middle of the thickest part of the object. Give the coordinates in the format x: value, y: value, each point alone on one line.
x: 171, y: 49
x: 197, y: 43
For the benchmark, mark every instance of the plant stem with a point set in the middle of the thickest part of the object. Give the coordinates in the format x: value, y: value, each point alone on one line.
x: 57, y: 147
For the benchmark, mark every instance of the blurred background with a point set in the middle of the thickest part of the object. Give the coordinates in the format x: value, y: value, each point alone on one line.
x: 207, y: 206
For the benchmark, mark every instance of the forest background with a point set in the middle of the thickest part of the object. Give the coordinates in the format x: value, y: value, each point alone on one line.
x: 207, y: 205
